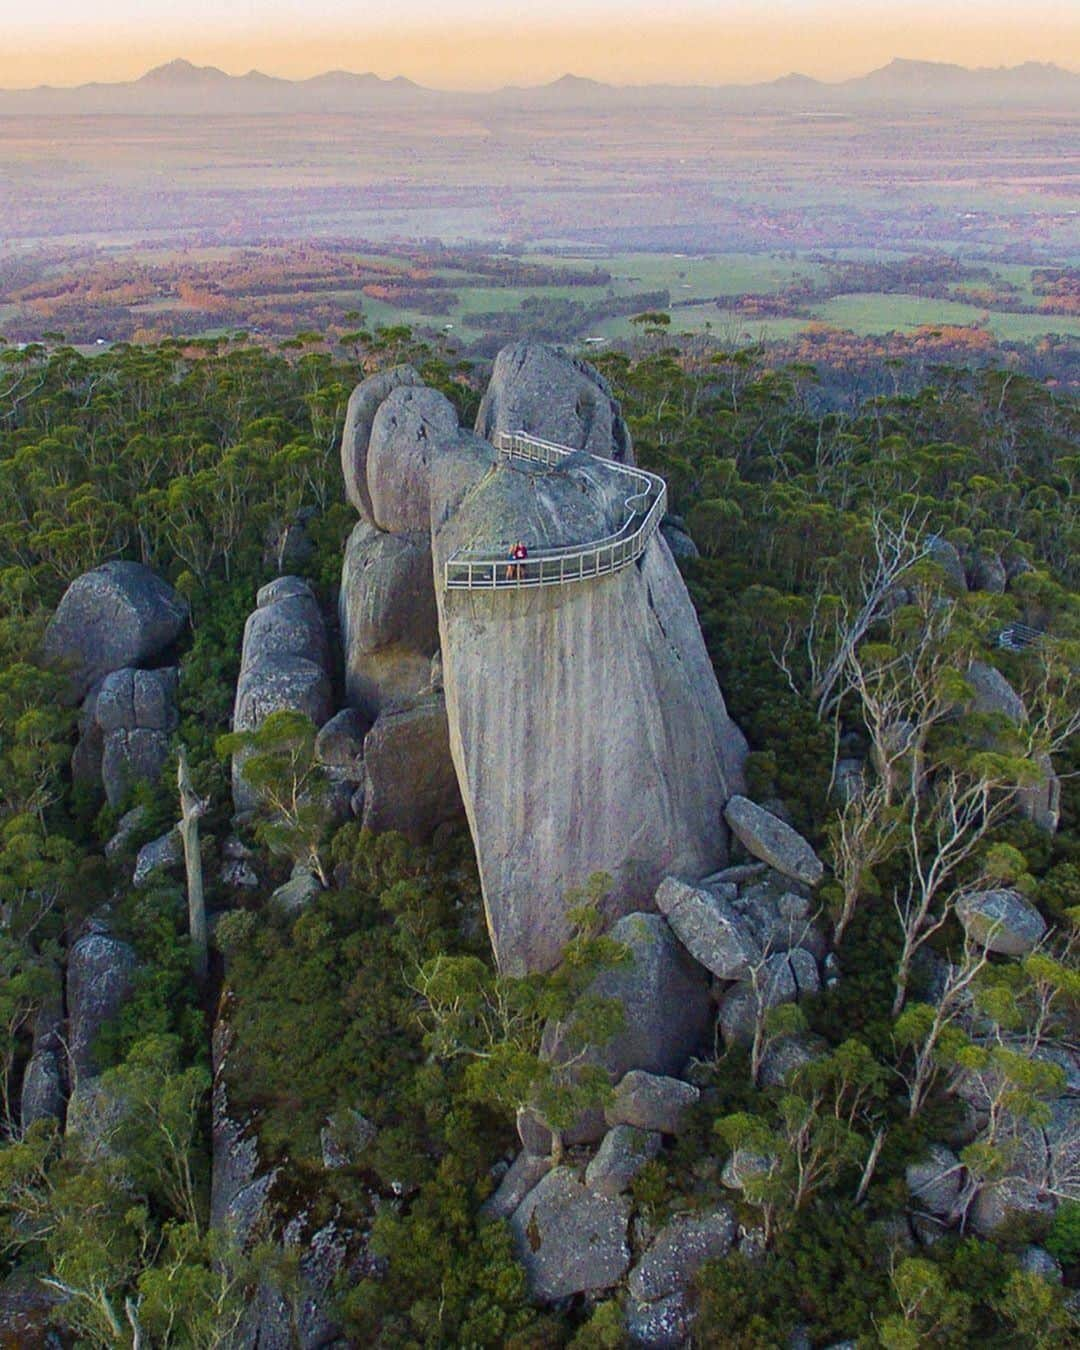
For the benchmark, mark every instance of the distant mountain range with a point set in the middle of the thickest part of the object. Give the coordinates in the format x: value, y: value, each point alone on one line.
x: 182, y: 88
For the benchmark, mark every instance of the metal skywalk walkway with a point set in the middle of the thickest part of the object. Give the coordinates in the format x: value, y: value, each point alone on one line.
x: 489, y: 570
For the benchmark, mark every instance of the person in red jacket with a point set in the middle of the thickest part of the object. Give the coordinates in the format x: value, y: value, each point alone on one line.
x: 516, y: 571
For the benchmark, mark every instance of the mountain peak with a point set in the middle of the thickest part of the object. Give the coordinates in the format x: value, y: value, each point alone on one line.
x: 181, y: 72
x: 569, y: 81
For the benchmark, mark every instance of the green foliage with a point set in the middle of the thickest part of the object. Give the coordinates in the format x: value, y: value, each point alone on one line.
x: 496, y: 1021
x: 452, y: 1278
x: 826, y: 1274
x: 381, y: 998
x: 277, y: 761
x: 930, y: 1311
x: 321, y: 1014
x: 1063, y: 1240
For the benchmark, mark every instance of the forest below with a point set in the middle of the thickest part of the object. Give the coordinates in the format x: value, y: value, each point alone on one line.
x: 195, y: 456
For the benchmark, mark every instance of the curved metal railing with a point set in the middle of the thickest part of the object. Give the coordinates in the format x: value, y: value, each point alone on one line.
x: 488, y: 570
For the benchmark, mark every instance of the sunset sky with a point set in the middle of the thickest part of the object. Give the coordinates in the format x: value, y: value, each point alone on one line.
x: 485, y: 43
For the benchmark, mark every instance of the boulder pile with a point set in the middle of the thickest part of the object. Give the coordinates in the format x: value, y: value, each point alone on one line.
x: 701, y: 974
x: 112, y: 635
x: 581, y: 728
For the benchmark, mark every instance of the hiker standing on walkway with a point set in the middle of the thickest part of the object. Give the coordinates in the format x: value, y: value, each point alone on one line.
x: 516, y: 571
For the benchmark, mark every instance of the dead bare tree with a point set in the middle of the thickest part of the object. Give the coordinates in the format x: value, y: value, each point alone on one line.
x: 925, y: 1033
x: 192, y: 808
x: 862, y: 834
x: 836, y: 624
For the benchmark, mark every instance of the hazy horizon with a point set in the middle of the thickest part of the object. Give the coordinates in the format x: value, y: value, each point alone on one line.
x: 471, y: 44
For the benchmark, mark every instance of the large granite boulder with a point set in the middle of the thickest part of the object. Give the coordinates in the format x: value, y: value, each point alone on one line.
x: 678, y: 1251
x: 1012, y: 1200
x: 359, y: 416
x: 1001, y: 920
x: 43, y: 1086
x: 96, y: 1110
x: 947, y: 557
x: 569, y: 1238
x: 586, y: 724
x: 120, y: 614
x: 411, y: 426
x: 651, y: 1101
x: 709, y: 927
x: 744, y: 1003
x: 100, y: 979
x: 986, y: 572
x: 767, y: 837
x: 663, y: 1325
x: 409, y: 780
x: 559, y: 398
x: 623, y: 1152
x: 788, y: 1055
x: 935, y: 1180
x: 42, y: 1095
x: 665, y: 996
x: 389, y: 626
x: 136, y: 713
x: 520, y: 1178
x: 994, y: 696
x: 339, y: 746
x: 163, y: 854
x: 284, y: 666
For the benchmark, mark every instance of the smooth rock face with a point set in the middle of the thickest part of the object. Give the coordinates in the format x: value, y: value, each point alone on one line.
x: 935, y: 1181
x: 301, y: 890
x: 709, y: 928
x: 1011, y: 1198
x: 570, y: 1239
x: 768, y: 838
x: 994, y: 693
x: 948, y: 559
x: 284, y: 666
x: 158, y: 856
x: 100, y: 978
x: 743, y: 1167
x: 651, y: 1102
x: 1002, y: 920
x: 986, y: 572
x: 409, y: 781
x: 663, y: 1325
x: 1040, y: 802
x: 410, y: 427
x: 665, y: 996
x: 42, y: 1089
x: 389, y: 627
x: 681, y: 545
x: 680, y: 1248
x: 340, y: 742
x: 120, y: 614
x: 135, y: 711
x: 524, y: 1173
x: 623, y: 1152
x: 743, y: 1003
x: 614, y: 751
x: 787, y: 1056
x: 363, y: 405
x: 533, y: 388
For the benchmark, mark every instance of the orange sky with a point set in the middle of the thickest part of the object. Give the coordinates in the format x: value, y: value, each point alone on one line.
x: 829, y: 40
